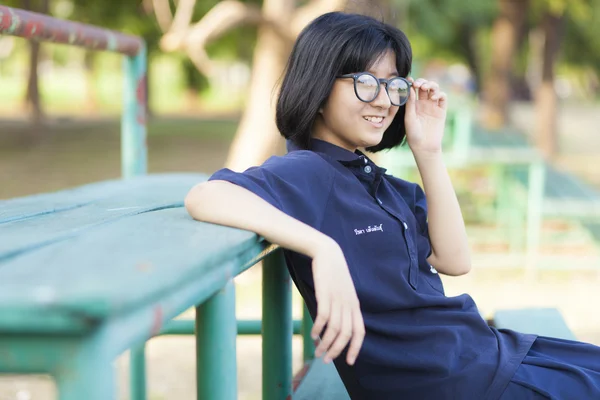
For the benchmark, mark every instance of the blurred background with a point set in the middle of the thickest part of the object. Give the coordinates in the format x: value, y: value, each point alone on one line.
x: 522, y: 141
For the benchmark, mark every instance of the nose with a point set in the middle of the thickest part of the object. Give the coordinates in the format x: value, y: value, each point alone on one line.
x: 382, y: 100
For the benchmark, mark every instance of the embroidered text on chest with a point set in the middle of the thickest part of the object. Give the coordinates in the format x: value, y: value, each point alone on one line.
x: 369, y: 229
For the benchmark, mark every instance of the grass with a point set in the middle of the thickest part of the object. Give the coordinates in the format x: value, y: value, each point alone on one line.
x: 63, y: 87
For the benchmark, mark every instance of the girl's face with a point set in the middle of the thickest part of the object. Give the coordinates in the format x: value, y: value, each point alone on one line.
x: 350, y: 123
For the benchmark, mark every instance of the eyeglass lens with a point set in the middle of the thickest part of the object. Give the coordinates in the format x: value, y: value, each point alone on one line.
x: 366, y: 89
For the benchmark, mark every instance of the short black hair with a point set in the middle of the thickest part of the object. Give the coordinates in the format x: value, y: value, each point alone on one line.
x: 333, y: 44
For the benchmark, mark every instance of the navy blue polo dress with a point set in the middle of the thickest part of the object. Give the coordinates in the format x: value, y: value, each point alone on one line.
x: 419, y: 344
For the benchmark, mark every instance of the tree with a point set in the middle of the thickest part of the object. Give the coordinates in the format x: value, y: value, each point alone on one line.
x: 551, y: 17
x: 507, y: 34
x: 33, y: 103
x: 278, y: 23
x: 450, y: 29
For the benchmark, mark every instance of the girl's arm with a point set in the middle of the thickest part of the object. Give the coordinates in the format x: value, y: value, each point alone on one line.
x: 425, y: 120
x: 450, y: 248
x: 224, y: 203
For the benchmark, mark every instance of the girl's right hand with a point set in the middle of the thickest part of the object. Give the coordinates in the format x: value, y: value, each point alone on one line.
x: 337, y: 305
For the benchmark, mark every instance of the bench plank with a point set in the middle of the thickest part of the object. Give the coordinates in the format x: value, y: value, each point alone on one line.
x: 36, y: 221
x: 541, y: 321
x: 103, y: 266
x: 321, y: 381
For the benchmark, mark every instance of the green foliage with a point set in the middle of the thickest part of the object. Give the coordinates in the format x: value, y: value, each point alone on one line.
x: 441, y: 22
x: 582, y: 40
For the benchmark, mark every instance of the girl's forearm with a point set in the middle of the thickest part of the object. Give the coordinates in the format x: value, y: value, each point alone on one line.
x: 450, y: 247
x: 224, y: 203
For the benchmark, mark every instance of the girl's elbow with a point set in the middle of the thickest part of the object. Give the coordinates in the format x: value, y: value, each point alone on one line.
x: 463, y: 269
x: 461, y: 265
x: 193, y: 200
x: 455, y: 265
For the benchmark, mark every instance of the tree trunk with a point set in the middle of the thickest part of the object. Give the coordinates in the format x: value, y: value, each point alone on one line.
x: 91, y: 97
x: 506, y: 32
x: 32, y: 96
x: 546, y: 103
x: 194, y: 83
x: 257, y: 136
x: 469, y: 51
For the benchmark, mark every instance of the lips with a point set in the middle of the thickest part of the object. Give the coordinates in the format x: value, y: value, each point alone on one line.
x: 374, y: 119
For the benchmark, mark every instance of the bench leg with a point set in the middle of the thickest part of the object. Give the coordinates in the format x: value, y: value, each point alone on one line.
x: 307, y: 341
x: 276, y: 329
x: 216, y: 333
x: 88, y: 380
x: 137, y: 371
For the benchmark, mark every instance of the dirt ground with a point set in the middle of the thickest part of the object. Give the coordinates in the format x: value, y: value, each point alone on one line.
x: 51, y: 165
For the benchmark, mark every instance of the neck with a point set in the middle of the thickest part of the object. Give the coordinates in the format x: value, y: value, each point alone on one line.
x: 321, y: 132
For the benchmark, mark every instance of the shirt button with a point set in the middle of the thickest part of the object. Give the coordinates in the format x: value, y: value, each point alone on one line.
x: 368, y: 169
x: 405, y: 225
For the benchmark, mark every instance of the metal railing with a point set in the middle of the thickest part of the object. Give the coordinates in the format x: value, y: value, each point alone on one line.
x: 39, y: 27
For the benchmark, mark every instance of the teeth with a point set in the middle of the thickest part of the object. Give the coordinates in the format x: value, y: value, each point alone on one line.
x: 374, y: 119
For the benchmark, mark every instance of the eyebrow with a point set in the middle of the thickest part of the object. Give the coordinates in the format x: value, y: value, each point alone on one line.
x: 393, y: 74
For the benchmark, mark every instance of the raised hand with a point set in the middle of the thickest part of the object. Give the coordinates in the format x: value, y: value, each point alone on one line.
x: 425, y: 116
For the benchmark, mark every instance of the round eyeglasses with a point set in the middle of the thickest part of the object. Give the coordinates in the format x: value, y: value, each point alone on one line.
x: 367, y: 87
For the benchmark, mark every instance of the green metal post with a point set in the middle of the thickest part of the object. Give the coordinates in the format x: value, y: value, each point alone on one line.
x: 463, y: 128
x: 88, y: 380
x: 216, y: 332
x: 133, y: 121
x: 308, y: 343
x: 277, y: 329
x: 137, y: 368
x: 537, y: 177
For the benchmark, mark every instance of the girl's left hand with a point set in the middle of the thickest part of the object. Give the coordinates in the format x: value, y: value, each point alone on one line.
x: 425, y: 117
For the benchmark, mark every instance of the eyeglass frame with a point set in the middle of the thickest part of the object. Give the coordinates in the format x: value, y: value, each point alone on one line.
x: 379, y: 82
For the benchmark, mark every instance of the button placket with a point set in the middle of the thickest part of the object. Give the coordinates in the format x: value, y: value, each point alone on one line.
x: 413, y: 265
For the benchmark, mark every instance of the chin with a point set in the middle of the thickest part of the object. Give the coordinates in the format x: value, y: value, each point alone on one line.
x: 371, y: 140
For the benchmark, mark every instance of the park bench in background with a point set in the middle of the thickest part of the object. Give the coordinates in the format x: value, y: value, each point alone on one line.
x: 468, y: 145
x: 569, y: 199
x: 529, y: 190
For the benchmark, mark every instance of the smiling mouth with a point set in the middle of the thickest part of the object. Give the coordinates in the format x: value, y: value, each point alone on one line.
x: 375, y: 120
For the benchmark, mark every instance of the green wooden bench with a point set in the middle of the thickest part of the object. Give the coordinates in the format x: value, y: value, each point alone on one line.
x: 565, y: 198
x: 90, y: 272
x: 541, y: 321
x: 565, y: 195
x: 468, y: 145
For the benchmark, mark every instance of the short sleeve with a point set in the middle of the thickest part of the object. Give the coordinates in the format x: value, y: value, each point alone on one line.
x: 420, y: 210
x: 297, y: 184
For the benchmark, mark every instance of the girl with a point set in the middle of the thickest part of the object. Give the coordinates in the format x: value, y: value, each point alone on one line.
x: 365, y: 248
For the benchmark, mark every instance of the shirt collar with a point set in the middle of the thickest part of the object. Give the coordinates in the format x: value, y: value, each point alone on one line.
x: 333, y: 151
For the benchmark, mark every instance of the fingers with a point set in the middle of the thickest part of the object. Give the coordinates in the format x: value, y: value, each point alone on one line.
x: 343, y: 336
x: 429, y: 90
x: 358, y: 330
x: 344, y: 325
x: 441, y: 98
x: 333, y: 329
x: 323, y: 310
x: 411, y: 108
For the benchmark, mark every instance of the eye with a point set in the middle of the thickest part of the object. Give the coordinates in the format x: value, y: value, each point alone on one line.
x: 366, y: 80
